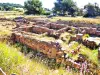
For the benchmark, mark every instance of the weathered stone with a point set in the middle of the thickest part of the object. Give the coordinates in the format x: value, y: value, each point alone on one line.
x: 90, y: 44
x: 79, y: 36
x: 98, y: 33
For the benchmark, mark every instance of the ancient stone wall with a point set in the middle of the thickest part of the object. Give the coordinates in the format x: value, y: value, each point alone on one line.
x: 46, y: 47
x: 41, y: 30
x: 90, y: 44
x: 51, y: 49
x: 86, y: 42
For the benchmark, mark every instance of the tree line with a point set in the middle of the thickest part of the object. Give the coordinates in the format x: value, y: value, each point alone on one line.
x: 61, y: 7
x: 9, y: 6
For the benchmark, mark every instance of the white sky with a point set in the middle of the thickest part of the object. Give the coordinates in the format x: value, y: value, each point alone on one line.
x: 49, y: 3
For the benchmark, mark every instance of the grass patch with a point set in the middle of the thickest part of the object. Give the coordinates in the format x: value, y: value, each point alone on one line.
x: 13, y: 61
x: 91, y: 54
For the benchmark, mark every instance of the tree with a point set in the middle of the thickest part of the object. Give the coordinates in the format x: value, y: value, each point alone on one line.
x: 58, y: 6
x: 8, y: 8
x: 46, y: 11
x: 91, y: 10
x: 63, y: 6
x: 80, y: 12
x: 33, y: 7
x: 0, y: 7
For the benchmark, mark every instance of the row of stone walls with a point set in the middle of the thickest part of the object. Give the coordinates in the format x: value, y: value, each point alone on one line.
x: 91, y: 31
x: 83, y: 27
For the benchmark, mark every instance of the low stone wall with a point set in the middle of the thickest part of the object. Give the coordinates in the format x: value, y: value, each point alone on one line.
x: 41, y: 30
x: 90, y: 44
x: 51, y: 49
x: 55, y: 26
x: 63, y: 30
x: 92, y: 31
x: 45, y: 47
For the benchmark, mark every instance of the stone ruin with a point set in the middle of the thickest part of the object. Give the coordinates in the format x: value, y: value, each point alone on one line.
x: 91, y: 42
x: 26, y: 34
x: 49, y: 48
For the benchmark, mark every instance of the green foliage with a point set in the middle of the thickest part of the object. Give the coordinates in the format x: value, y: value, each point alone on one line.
x: 9, y: 57
x: 80, y: 12
x: 86, y: 36
x: 33, y: 7
x: 46, y: 11
x: 65, y: 6
x: 13, y: 61
x: 92, y: 10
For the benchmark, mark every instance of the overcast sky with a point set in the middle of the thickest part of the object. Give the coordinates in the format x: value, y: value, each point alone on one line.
x: 50, y: 3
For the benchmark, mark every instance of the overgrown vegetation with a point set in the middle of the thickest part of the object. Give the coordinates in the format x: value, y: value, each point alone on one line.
x: 13, y: 61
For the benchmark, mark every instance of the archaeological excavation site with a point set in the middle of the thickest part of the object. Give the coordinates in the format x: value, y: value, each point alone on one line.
x: 73, y: 44
x: 49, y: 37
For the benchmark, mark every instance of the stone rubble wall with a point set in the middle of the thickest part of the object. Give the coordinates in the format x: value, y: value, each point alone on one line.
x: 92, y: 31
x: 48, y: 48
x: 41, y: 30
x: 42, y: 46
x: 90, y: 44
x: 87, y: 43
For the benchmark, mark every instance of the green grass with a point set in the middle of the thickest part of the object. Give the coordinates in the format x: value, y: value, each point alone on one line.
x: 91, y: 54
x: 13, y: 61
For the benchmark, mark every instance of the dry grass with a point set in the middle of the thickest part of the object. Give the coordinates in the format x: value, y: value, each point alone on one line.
x: 6, y: 27
x: 89, y: 20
